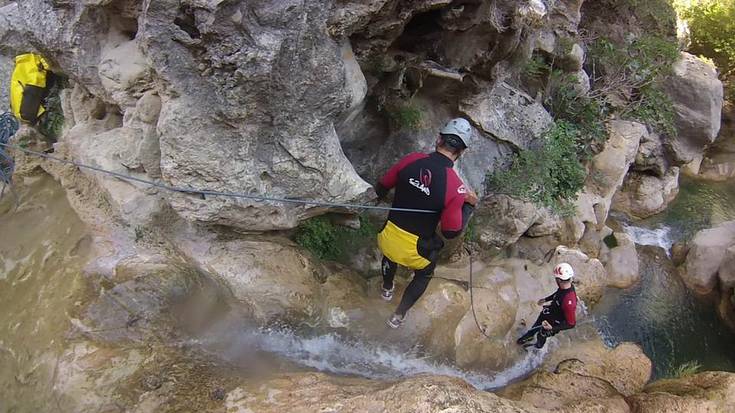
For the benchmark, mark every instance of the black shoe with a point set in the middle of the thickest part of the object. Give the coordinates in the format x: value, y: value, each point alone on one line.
x: 521, y: 341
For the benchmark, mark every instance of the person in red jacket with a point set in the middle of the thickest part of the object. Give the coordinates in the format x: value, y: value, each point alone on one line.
x: 560, y: 314
x: 423, y: 181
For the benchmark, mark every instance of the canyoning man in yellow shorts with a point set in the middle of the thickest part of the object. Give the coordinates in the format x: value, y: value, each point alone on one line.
x: 429, y: 182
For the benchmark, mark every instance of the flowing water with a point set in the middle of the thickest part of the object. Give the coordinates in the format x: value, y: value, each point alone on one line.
x: 672, y: 325
x: 43, y: 246
x: 43, y: 249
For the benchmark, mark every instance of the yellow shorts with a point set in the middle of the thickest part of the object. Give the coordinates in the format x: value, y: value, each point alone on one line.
x: 401, y: 247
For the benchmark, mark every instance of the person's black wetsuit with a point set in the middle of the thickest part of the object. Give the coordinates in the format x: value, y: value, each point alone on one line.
x: 560, y: 313
x: 421, y: 181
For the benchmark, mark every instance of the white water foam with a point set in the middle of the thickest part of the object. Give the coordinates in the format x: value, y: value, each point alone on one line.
x: 338, y: 355
x: 657, y: 237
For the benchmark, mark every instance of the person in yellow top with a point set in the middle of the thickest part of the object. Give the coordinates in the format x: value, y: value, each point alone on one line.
x: 29, y: 85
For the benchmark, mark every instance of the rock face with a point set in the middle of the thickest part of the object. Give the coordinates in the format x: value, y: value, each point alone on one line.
x: 697, y: 96
x: 708, y: 267
x: 508, y: 114
x: 718, y: 162
x: 702, y: 392
x: 267, y: 127
x: 593, y: 378
x: 306, y: 393
x: 706, y: 256
x: 621, y: 262
x: 644, y: 195
x: 608, y: 170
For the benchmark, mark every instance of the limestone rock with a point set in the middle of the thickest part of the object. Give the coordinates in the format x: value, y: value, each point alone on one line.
x: 267, y: 127
x: 621, y: 262
x: 701, y: 392
x: 317, y: 392
x: 645, y: 195
x: 288, y: 288
x: 650, y: 157
x: 706, y: 253
x: 573, y: 61
x: 501, y: 220
x: 726, y: 272
x: 625, y: 366
x: 608, y: 168
x: 718, y: 164
x: 587, y: 376
x: 507, y: 114
x: 6, y: 70
x: 496, y: 318
x: 697, y: 95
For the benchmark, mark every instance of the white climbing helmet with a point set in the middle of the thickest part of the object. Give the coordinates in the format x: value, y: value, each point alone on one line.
x: 460, y: 128
x: 563, y: 271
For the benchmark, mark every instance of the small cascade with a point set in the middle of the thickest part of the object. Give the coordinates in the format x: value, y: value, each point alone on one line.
x: 660, y: 236
x: 333, y: 353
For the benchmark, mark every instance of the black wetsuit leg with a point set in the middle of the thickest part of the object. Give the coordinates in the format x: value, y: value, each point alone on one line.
x: 535, y: 328
x: 416, y: 288
x: 388, y: 268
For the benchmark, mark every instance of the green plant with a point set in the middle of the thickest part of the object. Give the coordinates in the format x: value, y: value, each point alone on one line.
x: 535, y: 67
x: 405, y: 115
x: 712, y: 30
x: 328, y: 241
x: 564, y: 101
x: 653, y: 108
x: 685, y: 369
x: 51, y: 123
x: 548, y: 176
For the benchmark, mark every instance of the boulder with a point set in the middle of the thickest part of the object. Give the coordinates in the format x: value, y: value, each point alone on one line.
x: 650, y: 157
x: 267, y: 127
x: 317, y: 392
x: 718, y: 164
x: 625, y: 366
x: 607, y: 172
x: 285, y: 289
x: 726, y: 271
x: 706, y: 252
x: 644, y: 195
x: 586, y: 376
x: 697, y: 95
x: 502, y: 219
x: 573, y: 60
x: 507, y: 114
x: 702, y: 392
x: 621, y: 262
x: 608, y: 168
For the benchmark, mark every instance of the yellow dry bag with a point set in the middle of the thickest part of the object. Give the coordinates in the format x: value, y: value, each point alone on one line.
x: 28, y: 87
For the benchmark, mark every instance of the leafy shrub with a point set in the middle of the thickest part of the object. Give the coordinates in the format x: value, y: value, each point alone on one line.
x: 328, y: 241
x: 51, y: 123
x: 653, y: 108
x: 548, y: 176
x: 633, y: 72
x: 405, y: 116
x: 587, y: 113
x: 535, y: 67
x: 712, y: 30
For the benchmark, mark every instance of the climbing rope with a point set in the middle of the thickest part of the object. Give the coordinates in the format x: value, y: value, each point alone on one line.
x: 472, y: 299
x: 171, y: 188
x: 8, y: 126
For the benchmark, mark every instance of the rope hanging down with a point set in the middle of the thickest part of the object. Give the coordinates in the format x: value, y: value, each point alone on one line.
x: 171, y: 188
x: 8, y: 126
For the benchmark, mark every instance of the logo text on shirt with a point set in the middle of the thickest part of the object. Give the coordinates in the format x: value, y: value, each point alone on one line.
x: 423, y: 188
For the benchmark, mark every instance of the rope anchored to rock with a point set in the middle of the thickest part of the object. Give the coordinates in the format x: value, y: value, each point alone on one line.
x: 207, y: 192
